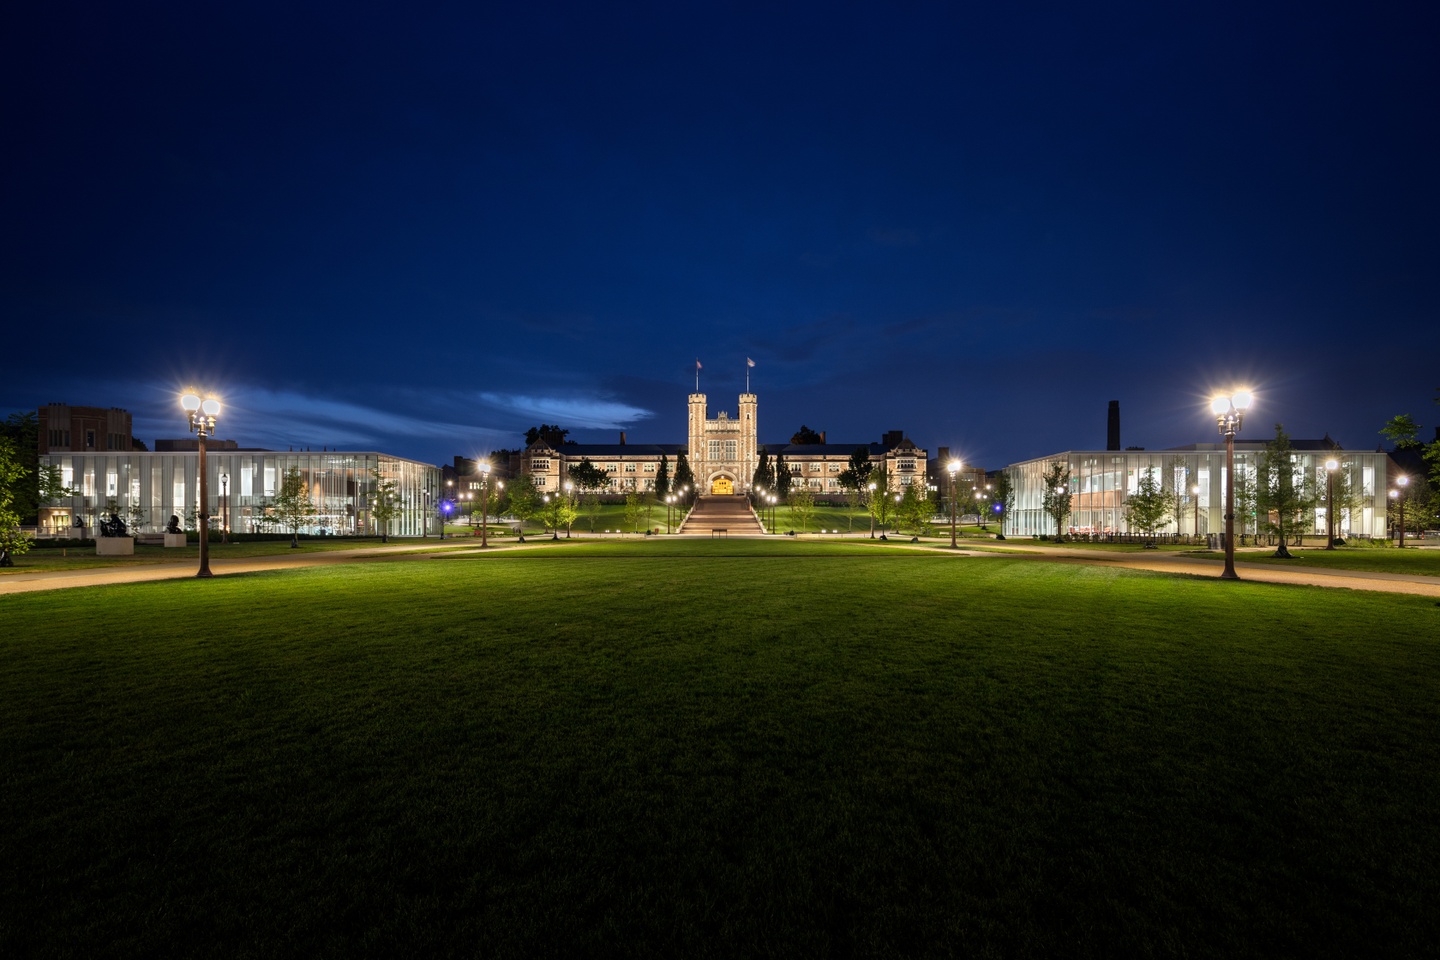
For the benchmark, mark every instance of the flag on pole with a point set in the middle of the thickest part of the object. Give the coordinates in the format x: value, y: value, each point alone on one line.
x: 749, y: 361
x: 697, y: 363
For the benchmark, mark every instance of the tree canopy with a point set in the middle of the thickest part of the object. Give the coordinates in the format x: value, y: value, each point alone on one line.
x: 1058, y: 494
x: 553, y: 434
x: 1282, y: 491
x: 1150, y: 505
x: 806, y: 436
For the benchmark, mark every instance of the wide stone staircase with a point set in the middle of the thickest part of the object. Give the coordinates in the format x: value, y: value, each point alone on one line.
x: 730, y: 514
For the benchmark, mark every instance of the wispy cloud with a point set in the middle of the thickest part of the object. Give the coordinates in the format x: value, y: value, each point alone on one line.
x: 578, y: 412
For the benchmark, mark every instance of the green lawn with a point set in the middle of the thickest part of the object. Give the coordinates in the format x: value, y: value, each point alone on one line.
x: 739, y: 748
x: 46, y: 558
x: 1417, y: 561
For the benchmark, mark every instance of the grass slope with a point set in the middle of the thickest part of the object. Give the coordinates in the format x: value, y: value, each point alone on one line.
x: 732, y: 749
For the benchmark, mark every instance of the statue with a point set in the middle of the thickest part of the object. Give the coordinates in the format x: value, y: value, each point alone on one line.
x: 174, y: 526
x: 113, y: 527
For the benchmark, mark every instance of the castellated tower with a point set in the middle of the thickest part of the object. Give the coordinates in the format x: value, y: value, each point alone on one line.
x: 697, y: 436
x: 749, y: 449
x: 723, y: 452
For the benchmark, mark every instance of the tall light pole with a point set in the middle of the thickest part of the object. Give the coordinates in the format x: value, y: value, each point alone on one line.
x: 954, y: 473
x: 224, y: 508
x: 484, y: 503
x: 1229, y: 415
x: 868, y: 501
x: 1402, y: 482
x: 1330, y: 466
x: 202, y: 414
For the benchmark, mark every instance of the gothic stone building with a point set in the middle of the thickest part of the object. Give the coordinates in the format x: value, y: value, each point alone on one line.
x: 723, y: 453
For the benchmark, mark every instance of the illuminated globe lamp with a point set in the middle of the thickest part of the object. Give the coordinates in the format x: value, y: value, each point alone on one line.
x: 1229, y: 413
x: 1398, y: 496
x: 201, y: 414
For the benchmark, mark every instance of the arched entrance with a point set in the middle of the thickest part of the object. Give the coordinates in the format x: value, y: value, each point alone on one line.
x: 722, y: 486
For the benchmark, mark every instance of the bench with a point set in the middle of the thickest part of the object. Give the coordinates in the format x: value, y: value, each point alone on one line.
x: 719, y: 532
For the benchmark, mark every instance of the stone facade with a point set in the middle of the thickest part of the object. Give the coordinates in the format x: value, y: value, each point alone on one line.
x: 723, y: 453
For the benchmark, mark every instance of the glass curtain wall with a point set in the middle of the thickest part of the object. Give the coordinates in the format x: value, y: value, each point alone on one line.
x: 1101, y: 481
x: 146, y: 489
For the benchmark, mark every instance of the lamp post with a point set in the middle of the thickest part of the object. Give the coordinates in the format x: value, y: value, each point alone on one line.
x: 484, y: 503
x: 669, y: 511
x: 224, y: 508
x: 202, y: 414
x: 1330, y: 466
x: 1229, y: 415
x: 774, y: 499
x: 1195, y: 499
x: 954, y: 472
x: 1399, y: 495
x: 868, y: 501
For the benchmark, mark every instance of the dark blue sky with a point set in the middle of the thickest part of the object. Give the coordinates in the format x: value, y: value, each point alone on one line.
x: 422, y: 231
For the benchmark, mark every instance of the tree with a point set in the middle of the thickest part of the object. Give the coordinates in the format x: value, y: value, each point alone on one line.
x: 1150, y: 505
x: 1403, y: 431
x: 1246, y: 494
x: 23, y: 430
x: 806, y: 436
x: 662, y: 477
x: 802, y: 508
x: 1003, y: 501
x: 1057, y: 500
x: 14, y: 542
x: 879, y: 502
x: 684, y: 479
x: 764, y: 476
x: 783, y: 477
x: 291, y: 504
x: 853, y: 480
x: 915, y: 511
x: 634, y: 507
x: 1283, y: 491
x: 554, y: 435
x: 524, y: 499
x: 589, y: 480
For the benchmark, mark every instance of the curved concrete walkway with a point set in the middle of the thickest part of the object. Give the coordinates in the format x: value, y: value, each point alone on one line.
x: 23, y: 582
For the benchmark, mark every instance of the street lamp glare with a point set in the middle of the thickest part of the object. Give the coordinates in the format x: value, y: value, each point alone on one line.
x: 210, y: 407
x: 1402, y: 480
x: 1242, y: 400
x: 954, y: 467
x: 1332, y: 464
x: 1220, y: 406
x: 190, y: 403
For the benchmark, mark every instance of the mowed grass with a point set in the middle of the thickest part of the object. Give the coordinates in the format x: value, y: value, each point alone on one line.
x: 1416, y: 561
x: 728, y: 749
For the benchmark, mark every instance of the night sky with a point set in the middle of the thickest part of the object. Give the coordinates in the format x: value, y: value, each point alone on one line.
x: 422, y: 230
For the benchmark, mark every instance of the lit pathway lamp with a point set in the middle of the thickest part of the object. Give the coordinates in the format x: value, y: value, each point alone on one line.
x: 1195, y: 499
x: 202, y: 414
x: 1229, y: 415
x: 774, y: 499
x: 954, y: 469
x: 484, y: 503
x: 1331, y: 466
x: 669, y: 511
x: 224, y: 508
x: 1399, y: 497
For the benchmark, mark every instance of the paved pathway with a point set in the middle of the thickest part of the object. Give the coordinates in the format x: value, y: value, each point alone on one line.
x: 1162, y: 563
x: 1208, y: 567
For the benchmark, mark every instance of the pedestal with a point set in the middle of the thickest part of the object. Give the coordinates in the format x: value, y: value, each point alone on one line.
x: 115, y: 547
x: 174, y: 539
